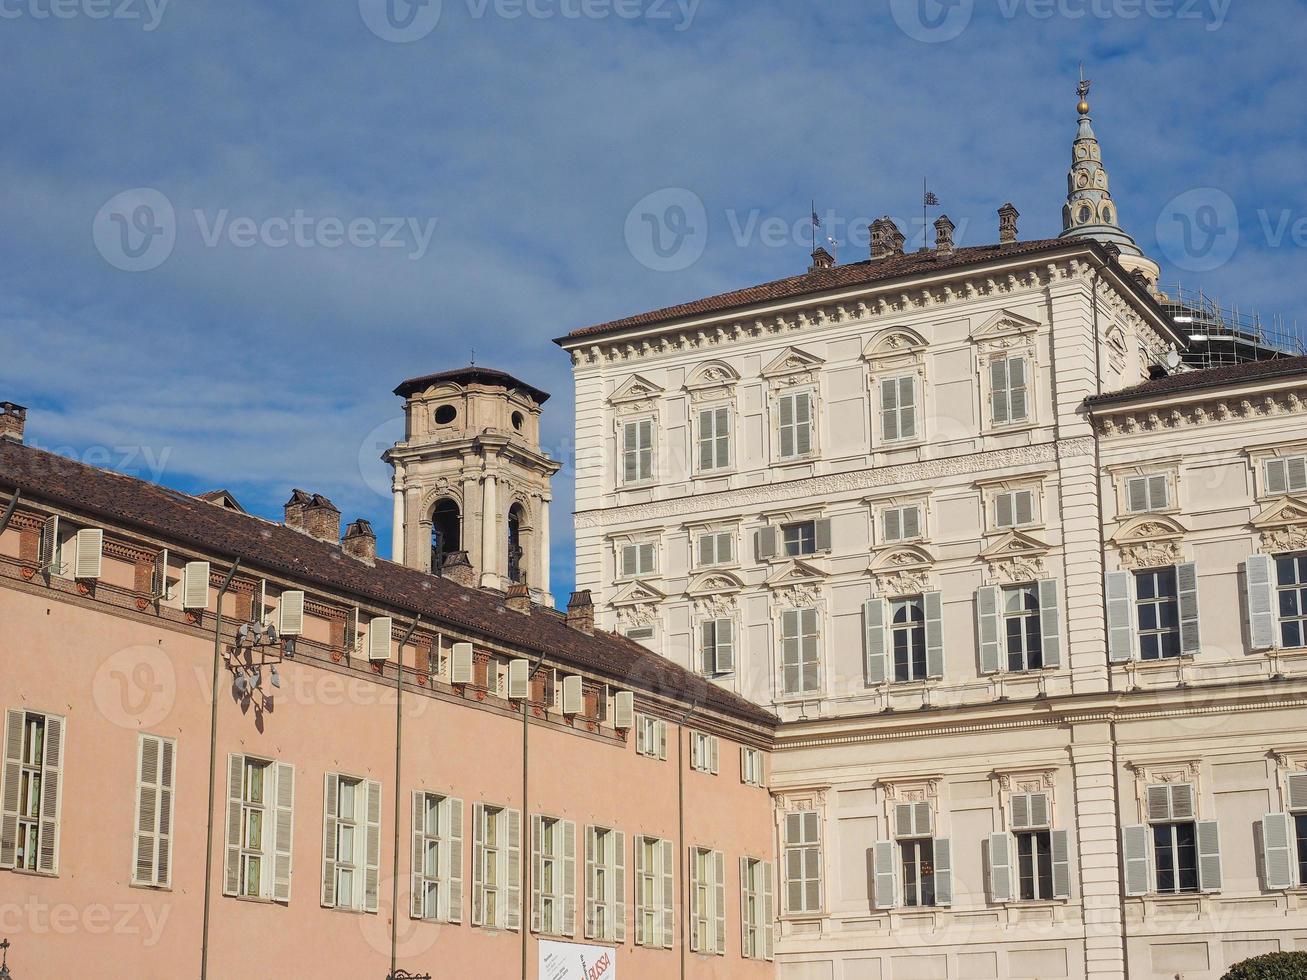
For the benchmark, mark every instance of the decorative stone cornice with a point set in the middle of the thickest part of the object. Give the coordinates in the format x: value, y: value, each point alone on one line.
x: 1126, y: 420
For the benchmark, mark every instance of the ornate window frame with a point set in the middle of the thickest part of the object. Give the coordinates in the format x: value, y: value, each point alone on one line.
x: 1120, y: 474
x: 1258, y: 458
x: 1006, y: 334
x: 896, y: 352
x: 636, y: 399
x: 811, y: 799
x: 649, y: 536
x: 1175, y: 771
x: 714, y: 595
x: 903, y: 570
x: 1149, y: 541
x: 799, y: 588
x: 698, y: 529
x: 991, y: 488
x: 793, y: 371
x: 712, y: 385
x: 879, y: 503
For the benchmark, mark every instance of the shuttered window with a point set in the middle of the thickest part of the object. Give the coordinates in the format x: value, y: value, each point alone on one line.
x: 1185, y: 851
x: 1287, y: 474
x: 1291, y: 593
x: 260, y: 828
x: 898, y: 408
x: 1009, y: 394
x: 800, y: 672
x: 152, y: 842
x: 803, y: 862
x: 655, y: 892
x: 707, y: 901
x: 750, y: 766
x: 605, y: 884
x: 33, y: 773
x: 715, y: 548
x: 756, y: 911
x: 650, y: 737
x: 794, y: 424
x: 714, y: 438
x: 351, y: 842
x: 638, y: 558
x: 437, y: 858
x: 900, y: 523
x: 1014, y: 508
x: 637, y: 451
x: 1157, y: 613
x: 496, y: 866
x: 553, y: 876
x: 908, y: 638
x: 717, y: 647
x: 1022, y: 631
x: 705, y: 752
x: 1148, y: 493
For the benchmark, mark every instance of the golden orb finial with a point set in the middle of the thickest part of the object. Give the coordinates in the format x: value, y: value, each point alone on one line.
x: 1082, y: 90
x: 1083, y: 108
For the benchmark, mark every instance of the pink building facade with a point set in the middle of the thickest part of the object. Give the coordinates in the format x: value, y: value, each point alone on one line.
x: 358, y: 824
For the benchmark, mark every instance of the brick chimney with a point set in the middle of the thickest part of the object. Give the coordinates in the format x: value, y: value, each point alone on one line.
x: 821, y: 259
x: 944, y: 235
x: 519, y: 598
x: 879, y: 239
x: 581, y: 612
x: 12, y: 420
x: 1007, y: 224
x: 294, y: 509
x: 361, y: 542
x: 322, y: 519
x: 458, y: 569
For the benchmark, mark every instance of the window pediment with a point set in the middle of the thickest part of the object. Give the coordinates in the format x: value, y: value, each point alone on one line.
x: 713, y: 583
x: 1015, y: 557
x: 1148, y: 528
x: 711, y: 378
x: 895, y: 347
x: 1004, y: 323
x: 792, y: 573
x: 792, y: 366
x: 635, y: 389
x: 1283, y: 525
x: 1014, y: 544
x: 637, y: 593
x: 903, y: 570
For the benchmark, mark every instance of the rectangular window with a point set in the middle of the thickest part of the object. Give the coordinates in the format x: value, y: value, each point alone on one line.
x: 794, y: 412
x: 1291, y: 591
x: 1175, y: 851
x: 152, y: 857
x: 640, y: 634
x: 717, y: 647
x: 637, y: 451
x: 1035, y: 865
x: 639, y: 558
x: 29, y: 837
x: 1148, y: 493
x: 351, y: 853
x: 605, y: 896
x: 714, y: 439
x: 900, y: 523
x: 707, y: 901
x: 898, y: 408
x: 349, y: 846
x: 1008, y: 390
x: 705, y: 752
x: 655, y: 892
x: 799, y: 538
x: 253, y: 826
x: 1021, y: 626
x: 750, y: 766
x: 1287, y: 474
x: 802, y: 862
x: 437, y: 885
x: 918, y: 871
x: 755, y: 909
x: 650, y: 737
x: 1300, y: 831
x: 799, y: 663
x: 1157, y: 613
x: 260, y: 826
x: 553, y: 884
x: 715, y: 548
x: 1014, y: 508
x: 908, y: 636
x: 496, y: 872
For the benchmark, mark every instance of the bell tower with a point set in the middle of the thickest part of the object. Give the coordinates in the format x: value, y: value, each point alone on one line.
x: 469, y: 476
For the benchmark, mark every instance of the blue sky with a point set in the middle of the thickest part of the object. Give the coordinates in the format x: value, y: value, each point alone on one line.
x: 462, y: 173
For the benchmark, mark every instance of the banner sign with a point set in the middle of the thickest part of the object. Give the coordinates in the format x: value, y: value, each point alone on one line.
x: 577, y: 961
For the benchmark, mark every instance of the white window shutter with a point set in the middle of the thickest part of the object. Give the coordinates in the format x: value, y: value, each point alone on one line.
x: 987, y: 629
x: 14, y: 721
x: 1260, y: 573
x: 153, y: 811
x: 1183, y: 804
x: 904, y: 823
x: 1004, y: 515
x: 640, y: 872
x: 591, y: 884
x: 452, y: 866
x: 618, y: 916
x: 1277, y: 476
x: 1050, y: 623
x: 767, y: 542
x: 667, y: 893
x: 768, y: 903
x: 724, y: 635
x: 1060, y: 846
x: 821, y: 534
x: 232, y: 866
x: 624, y: 710
x: 330, y: 813
x: 47, y: 548
x: 1039, y: 810
x: 461, y: 664
x: 911, y: 522
x: 1297, y: 786
x: 90, y: 553
x: 714, y: 755
x: 875, y: 642
x: 1136, y: 493
x: 195, y: 585
x: 159, y: 576
x: 573, y: 700
x: 943, y: 871
x: 290, y: 614
x: 417, y: 903
x: 519, y: 679
x: 380, y: 630
x: 569, y: 878
x: 693, y: 867
x: 513, y: 870
x: 892, y: 523
x: 1025, y: 507
x: 883, y: 866
x: 47, y: 857
x: 1000, y: 868
x: 1134, y: 845
x: 1209, y: 856
x: 999, y: 391
x: 1186, y: 586
x: 1120, y: 616
x: 803, y: 424
x: 537, y: 871
x: 283, y: 831
x: 1020, y: 818
x: 719, y: 901
x: 661, y: 728
x: 1278, y: 856
x: 934, y: 603
x: 478, y: 859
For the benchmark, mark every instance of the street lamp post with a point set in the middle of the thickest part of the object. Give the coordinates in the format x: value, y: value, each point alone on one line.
x: 405, y: 975
x: 4, y: 964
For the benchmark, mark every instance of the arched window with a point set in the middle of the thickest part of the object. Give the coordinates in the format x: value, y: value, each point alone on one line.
x: 516, y: 572
x: 446, y: 532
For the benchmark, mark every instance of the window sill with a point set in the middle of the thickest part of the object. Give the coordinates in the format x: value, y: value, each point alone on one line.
x: 996, y: 429
x: 33, y: 873
x: 149, y: 888
x: 256, y: 900
x: 796, y: 460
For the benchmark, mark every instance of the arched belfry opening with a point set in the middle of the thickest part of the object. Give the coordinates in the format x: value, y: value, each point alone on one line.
x: 516, y: 546
x: 446, y: 532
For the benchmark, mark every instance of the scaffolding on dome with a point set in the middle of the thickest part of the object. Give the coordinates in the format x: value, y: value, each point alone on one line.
x: 1225, y: 335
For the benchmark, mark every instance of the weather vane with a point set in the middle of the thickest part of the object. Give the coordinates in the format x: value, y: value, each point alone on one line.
x: 1082, y: 90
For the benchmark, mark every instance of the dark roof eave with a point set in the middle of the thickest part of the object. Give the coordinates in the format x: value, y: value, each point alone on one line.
x: 1207, y: 380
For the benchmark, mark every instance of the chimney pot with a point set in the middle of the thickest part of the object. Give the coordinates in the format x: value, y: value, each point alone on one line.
x: 519, y: 598
x: 322, y: 519
x: 886, y: 239
x: 581, y: 612
x: 294, y: 509
x: 13, y: 418
x: 458, y: 569
x: 1007, y: 224
x: 361, y: 542
x: 944, y: 235
x: 821, y: 259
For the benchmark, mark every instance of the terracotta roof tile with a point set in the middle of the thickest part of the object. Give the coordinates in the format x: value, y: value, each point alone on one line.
x: 1185, y: 381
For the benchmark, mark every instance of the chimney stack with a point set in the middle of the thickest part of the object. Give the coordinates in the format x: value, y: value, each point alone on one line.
x: 896, y: 239
x: 519, y: 598
x: 12, y: 420
x: 1007, y: 224
x: 322, y: 519
x: 821, y: 259
x: 294, y: 509
x: 458, y: 569
x: 581, y: 612
x: 361, y: 542
x: 886, y: 239
x: 944, y: 235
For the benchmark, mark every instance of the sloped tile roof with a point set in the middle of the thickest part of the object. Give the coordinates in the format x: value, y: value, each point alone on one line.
x: 1216, y: 377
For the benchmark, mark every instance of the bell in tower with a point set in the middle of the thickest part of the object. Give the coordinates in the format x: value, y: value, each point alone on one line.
x: 470, y: 478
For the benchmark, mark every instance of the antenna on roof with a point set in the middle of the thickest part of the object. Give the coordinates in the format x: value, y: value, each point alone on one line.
x: 928, y: 200
x: 473, y: 362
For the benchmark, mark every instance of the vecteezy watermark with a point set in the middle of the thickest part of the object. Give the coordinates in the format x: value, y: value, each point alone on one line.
x: 667, y: 231
x: 1198, y: 231
x: 35, y: 917
x: 136, y: 230
x: 135, y: 687
x: 405, y: 21
x: 140, y: 461
x: 148, y: 12
x: 936, y: 21
x: 932, y: 21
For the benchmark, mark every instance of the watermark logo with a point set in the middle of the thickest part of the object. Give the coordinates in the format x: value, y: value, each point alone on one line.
x: 932, y: 21
x: 376, y: 474
x: 135, y: 687
x: 148, y: 12
x: 135, y: 231
x: 1198, y: 231
x: 400, y: 21
x: 667, y: 231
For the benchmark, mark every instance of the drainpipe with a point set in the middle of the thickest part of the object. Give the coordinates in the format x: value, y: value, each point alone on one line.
x: 399, y: 745
x: 682, y: 876
x: 523, y: 917
x: 213, y: 771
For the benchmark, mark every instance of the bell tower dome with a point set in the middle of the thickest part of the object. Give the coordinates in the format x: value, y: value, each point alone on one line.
x: 469, y: 476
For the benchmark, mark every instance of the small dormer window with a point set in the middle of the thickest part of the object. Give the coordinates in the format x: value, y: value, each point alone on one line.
x: 446, y: 414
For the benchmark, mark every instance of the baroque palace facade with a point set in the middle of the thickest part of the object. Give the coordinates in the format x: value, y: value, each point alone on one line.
x: 1028, y: 594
